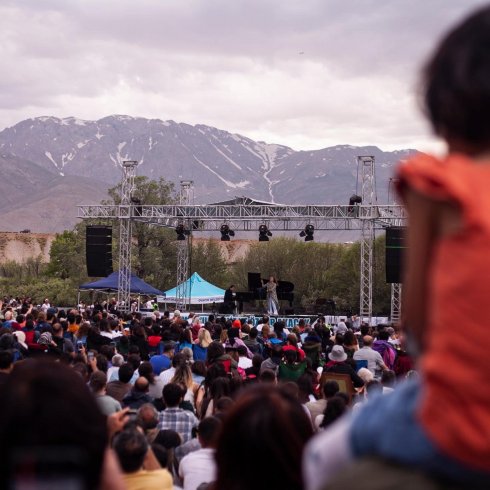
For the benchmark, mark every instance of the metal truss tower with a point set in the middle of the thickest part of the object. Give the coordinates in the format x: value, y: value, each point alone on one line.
x: 367, y: 216
x: 396, y: 288
x: 396, y: 302
x: 183, y: 249
x: 125, y: 229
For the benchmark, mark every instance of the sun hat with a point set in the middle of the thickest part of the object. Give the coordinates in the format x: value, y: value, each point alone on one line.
x: 337, y: 354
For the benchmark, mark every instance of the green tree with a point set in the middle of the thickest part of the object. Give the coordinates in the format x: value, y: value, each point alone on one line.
x: 208, y: 261
x: 67, y: 255
x: 154, y: 249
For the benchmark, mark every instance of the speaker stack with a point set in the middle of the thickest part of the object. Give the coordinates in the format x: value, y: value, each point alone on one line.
x: 99, y: 251
x: 395, y: 250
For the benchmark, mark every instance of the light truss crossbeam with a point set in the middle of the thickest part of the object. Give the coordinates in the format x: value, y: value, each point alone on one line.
x: 250, y: 217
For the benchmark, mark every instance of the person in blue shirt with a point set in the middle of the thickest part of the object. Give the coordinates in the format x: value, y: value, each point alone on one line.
x: 161, y: 362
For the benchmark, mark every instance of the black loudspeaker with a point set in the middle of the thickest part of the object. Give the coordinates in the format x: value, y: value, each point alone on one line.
x: 98, y: 251
x: 395, y: 250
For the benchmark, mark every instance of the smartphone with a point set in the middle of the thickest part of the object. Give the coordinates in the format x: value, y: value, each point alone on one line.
x: 90, y: 355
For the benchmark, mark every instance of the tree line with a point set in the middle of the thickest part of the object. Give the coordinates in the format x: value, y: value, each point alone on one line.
x: 318, y: 270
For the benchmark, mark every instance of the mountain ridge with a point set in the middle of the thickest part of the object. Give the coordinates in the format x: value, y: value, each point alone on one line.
x: 221, y: 164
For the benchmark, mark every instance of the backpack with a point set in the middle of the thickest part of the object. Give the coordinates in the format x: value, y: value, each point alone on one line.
x: 387, y: 352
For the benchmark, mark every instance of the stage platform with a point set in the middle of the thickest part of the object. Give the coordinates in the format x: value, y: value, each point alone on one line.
x: 290, y: 320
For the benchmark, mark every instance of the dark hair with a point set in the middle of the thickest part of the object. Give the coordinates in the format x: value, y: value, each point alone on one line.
x: 254, y: 333
x: 257, y: 360
x: 344, y: 397
x: 335, y: 408
x: 457, y: 83
x: 383, y: 335
x: 388, y: 378
x: 161, y: 454
x: 6, y: 359
x: 208, y: 430
x: 199, y: 368
x: 98, y: 381
x: 290, y: 356
x: 215, y: 350
x: 172, y: 394
x: 134, y: 360
x: 107, y: 350
x: 178, y: 359
x: 131, y: 447
x: 57, y: 414
x: 279, y: 329
x: 242, y: 350
x: 374, y: 387
x: 102, y: 363
x: 233, y: 333
x: 224, y: 404
x: 145, y: 369
x: 220, y: 387
x: 267, y: 376
x: 262, y: 410
x: 350, y: 338
x: 169, y: 439
x: 125, y: 373
x: 330, y: 388
x: 168, y: 347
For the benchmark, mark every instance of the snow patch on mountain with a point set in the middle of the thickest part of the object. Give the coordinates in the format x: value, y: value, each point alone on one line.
x: 50, y: 157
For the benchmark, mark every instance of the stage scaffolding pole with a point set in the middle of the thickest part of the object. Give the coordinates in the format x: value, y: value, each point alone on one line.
x: 183, y: 250
x: 125, y: 233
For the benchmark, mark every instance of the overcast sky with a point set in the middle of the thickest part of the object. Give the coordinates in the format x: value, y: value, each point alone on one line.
x: 304, y: 73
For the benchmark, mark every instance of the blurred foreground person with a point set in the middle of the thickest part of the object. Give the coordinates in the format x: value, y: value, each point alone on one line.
x: 273, y: 428
x: 52, y: 433
x: 440, y: 423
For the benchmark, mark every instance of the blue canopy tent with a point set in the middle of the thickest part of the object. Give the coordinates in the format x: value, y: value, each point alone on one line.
x: 110, y: 283
x: 199, y: 290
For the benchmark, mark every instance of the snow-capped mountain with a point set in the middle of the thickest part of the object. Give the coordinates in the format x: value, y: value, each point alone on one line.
x: 221, y: 164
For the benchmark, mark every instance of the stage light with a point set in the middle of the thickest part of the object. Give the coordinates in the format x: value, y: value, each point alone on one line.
x: 354, y: 200
x: 181, y: 232
x: 264, y: 233
x: 226, y: 233
x: 307, y: 233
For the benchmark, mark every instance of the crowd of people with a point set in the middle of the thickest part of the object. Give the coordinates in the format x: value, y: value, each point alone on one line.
x: 94, y: 399
x: 185, y: 403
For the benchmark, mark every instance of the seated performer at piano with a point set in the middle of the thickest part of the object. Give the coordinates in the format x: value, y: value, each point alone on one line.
x: 229, y: 304
x: 271, y: 290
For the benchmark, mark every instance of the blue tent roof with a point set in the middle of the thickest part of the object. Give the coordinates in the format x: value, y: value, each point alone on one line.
x: 199, y: 290
x: 110, y: 282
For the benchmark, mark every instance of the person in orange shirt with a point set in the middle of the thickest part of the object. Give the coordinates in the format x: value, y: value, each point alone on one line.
x: 439, y: 423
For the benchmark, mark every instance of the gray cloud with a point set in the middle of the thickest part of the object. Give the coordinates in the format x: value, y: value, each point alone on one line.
x: 235, y: 65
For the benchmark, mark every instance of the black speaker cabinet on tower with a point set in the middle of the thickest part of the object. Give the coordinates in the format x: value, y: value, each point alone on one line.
x: 395, y: 249
x: 98, y: 251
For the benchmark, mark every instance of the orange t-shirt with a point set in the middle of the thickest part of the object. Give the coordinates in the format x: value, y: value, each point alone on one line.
x: 455, y: 405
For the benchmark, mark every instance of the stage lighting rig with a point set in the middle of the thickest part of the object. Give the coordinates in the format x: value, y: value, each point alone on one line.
x: 307, y: 233
x: 264, y: 233
x: 226, y: 233
x: 182, y: 232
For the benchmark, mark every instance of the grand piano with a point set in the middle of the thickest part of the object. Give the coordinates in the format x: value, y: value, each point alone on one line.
x: 256, y: 291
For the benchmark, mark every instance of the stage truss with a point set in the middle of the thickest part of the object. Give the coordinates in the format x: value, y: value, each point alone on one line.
x: 247, y: 215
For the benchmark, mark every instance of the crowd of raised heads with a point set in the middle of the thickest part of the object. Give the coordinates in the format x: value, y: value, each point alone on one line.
x: 125, y: 401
